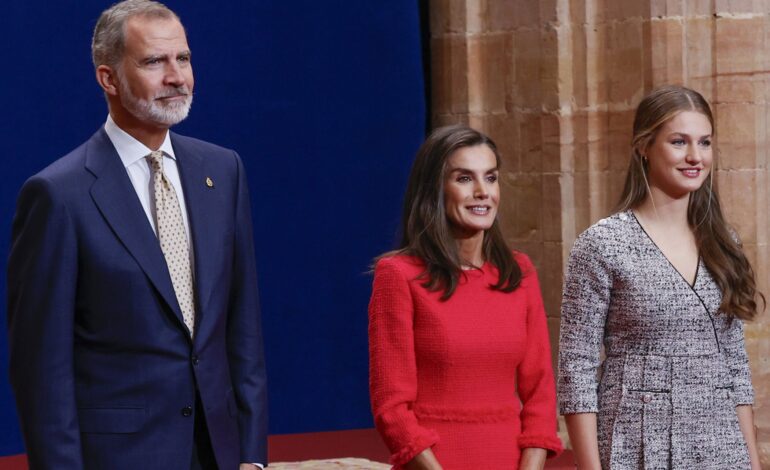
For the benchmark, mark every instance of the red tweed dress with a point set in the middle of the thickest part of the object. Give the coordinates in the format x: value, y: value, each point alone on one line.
x: 469, y: 377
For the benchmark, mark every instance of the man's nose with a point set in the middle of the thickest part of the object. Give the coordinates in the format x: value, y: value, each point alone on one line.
x: 174, y: 74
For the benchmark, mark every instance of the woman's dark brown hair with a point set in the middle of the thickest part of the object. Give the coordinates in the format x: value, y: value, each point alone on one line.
x: 717, y: 245
x: 426, y: 231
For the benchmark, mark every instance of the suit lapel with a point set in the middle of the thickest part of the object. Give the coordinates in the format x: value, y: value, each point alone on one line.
x: 202, y: 205
x: 116, y: 199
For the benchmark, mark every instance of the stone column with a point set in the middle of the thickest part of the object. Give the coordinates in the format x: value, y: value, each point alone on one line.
x: 555, y: 83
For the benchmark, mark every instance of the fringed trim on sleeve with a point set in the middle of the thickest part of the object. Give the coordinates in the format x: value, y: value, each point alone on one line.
x: 409, y: 451
x: 552, y: 444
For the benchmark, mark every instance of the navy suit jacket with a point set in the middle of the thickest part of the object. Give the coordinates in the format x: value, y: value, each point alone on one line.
x: 103, y: 368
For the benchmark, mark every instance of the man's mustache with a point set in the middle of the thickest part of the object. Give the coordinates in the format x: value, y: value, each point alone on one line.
x: 173, y: 92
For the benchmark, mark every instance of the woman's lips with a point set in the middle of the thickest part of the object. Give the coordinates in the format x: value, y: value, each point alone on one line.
x: 691, y: 172
x: 479, y: 210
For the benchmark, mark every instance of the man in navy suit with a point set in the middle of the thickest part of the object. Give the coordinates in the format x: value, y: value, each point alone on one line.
x: 133, y: 317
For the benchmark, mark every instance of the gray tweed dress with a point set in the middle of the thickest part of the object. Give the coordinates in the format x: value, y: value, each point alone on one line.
x: 674, y: 368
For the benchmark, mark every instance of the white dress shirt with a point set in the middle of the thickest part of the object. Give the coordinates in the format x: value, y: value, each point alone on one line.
x: 134, y: 154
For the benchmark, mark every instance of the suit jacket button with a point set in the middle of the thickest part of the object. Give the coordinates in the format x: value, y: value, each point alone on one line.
x: 187, y: 411
x: 195, y: 360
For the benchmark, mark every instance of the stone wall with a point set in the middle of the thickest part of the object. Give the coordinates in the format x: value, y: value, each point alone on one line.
x: 555, y: 83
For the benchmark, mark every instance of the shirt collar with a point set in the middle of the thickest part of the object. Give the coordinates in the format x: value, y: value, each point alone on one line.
x: 129, y: 149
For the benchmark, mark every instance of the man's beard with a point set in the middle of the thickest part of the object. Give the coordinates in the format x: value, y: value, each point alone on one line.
x: 157, y: 112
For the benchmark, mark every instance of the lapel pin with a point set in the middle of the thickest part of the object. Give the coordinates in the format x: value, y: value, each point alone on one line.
x: 209, y: 182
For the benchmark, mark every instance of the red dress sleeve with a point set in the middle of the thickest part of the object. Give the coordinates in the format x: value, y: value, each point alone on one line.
x: 535, y: 379
x: 392, y: 365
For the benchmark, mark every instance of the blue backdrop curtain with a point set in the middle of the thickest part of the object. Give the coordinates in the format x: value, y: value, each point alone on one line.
x: 325, y: 103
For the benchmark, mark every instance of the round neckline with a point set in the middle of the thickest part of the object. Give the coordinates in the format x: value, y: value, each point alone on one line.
x: 468, y: 267
x: 476, y: 271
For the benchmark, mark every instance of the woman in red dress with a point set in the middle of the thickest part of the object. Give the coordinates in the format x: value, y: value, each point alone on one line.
x: 460, y: 361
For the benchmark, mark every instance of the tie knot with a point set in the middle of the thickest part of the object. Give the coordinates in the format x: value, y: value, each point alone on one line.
x: 156, y: 160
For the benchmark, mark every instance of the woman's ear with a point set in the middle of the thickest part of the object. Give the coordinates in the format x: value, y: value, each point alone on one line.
x: 640, y: 149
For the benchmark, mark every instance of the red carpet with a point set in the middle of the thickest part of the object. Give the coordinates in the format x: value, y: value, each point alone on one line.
x: 364, y: 443
x: 16, y: 462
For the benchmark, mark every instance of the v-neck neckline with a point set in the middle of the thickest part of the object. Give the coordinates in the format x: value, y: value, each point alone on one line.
x: 657, y: 248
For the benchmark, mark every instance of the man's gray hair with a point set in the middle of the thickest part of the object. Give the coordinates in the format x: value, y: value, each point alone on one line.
x: 108, y: 42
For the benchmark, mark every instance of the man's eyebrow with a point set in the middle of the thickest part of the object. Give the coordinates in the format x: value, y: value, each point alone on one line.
x: 151, y: 57
x: 186, y: 53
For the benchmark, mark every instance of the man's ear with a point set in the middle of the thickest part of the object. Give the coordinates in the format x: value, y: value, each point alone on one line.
x: 107, y: 78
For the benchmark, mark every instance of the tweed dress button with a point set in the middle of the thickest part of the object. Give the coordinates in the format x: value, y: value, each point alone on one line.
x: 647, y: 398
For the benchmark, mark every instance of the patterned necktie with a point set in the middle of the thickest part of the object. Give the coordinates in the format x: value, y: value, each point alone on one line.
x: 173, y: 238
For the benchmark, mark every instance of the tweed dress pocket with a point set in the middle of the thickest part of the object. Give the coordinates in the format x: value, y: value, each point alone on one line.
x: 641, y: 434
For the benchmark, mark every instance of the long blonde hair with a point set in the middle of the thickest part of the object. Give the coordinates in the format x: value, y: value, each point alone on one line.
x: 717, y: 245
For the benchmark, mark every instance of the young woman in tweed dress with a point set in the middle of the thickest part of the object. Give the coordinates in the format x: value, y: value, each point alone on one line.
x: 460, y: 363
x: 664, y: 286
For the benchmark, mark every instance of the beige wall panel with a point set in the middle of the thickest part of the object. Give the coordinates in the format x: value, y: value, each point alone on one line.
x: 738, y: 42
x: 666, y: 8
x: 667, y: 52
x: 447, y: 17
x: 736, y: 7
x: 488, y: 68
x: 699, y: 7
x: 450, y: 90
